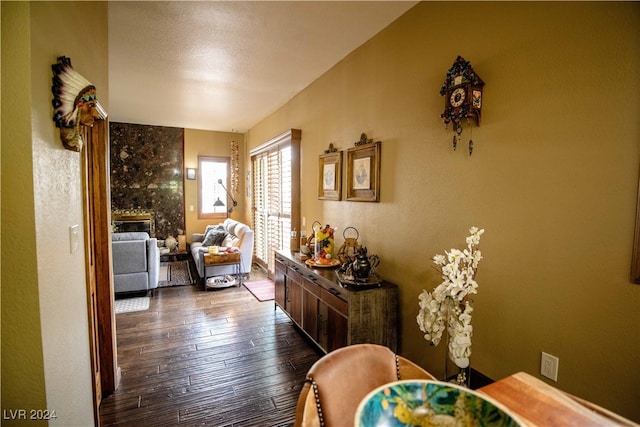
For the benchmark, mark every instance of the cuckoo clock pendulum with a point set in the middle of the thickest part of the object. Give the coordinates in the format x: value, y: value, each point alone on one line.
x: 462, y: 90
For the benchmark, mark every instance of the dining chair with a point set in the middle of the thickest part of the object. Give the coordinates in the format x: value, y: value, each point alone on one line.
x: 338, y: 381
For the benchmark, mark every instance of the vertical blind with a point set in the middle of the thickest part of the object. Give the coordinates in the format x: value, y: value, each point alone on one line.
x: 273, y: 201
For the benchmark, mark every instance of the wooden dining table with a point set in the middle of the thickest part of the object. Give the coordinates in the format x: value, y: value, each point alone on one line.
x: 537, y: 403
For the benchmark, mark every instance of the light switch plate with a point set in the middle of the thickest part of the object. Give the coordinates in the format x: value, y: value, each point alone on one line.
x: 74, y: 238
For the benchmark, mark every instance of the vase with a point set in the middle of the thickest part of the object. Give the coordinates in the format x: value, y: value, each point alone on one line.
x: 171, y: 243
x: 459, y: 324
x: 324, y: 244
x: 455, y: 374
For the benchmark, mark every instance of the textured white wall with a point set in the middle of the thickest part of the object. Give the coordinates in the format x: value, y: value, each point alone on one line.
x: 77, y: 30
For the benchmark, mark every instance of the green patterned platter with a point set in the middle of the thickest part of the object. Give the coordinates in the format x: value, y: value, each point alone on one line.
x: 431, y: 403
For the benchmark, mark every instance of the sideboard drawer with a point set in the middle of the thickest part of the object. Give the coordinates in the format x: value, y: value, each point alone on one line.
x: 335, y: 302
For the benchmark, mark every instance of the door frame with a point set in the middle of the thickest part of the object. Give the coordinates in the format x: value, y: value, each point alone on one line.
x: 100, y: 290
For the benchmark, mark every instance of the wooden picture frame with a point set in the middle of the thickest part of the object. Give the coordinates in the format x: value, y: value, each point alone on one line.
x: 330, y: 176
x: 363, y: 173
x: 635, y: 260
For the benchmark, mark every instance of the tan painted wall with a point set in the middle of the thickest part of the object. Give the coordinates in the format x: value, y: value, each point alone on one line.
x: 47, y: 287
x: 553, y: 179
x: 22, y: 370
x: 206, y: 143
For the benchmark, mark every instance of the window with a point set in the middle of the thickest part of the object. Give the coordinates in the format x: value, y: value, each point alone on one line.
x: 213, y: 201
x: 276, y: 195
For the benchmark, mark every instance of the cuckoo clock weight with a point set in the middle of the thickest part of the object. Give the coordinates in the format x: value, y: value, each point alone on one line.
x: 462, y: 90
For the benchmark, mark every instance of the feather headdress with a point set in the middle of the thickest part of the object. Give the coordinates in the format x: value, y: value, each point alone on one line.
x: 74, y: 103
x: 69, y: 89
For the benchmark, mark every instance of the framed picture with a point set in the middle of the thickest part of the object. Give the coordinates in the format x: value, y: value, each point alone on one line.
x: 330, y: 176
x: 363, y: 173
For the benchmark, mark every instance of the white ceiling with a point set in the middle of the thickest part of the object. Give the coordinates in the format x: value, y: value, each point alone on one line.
x: 226, y: 65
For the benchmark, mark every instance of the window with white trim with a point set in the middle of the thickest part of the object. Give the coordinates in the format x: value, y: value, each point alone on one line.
x: 213, y: 201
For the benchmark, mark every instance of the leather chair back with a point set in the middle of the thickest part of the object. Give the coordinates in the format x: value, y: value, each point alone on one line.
x: 337, y: 383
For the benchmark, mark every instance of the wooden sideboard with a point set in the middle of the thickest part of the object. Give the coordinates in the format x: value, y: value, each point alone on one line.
x: 332, y: 315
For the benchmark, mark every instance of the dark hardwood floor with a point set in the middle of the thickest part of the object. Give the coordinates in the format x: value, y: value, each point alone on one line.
x: 218, y: 358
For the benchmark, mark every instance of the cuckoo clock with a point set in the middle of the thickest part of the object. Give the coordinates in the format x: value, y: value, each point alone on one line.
x: 462, y: 90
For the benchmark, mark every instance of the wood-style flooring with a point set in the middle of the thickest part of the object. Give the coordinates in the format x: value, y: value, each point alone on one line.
x: 217, y: 358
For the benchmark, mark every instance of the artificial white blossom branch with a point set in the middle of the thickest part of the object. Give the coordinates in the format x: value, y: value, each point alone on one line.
x: 448, y: 305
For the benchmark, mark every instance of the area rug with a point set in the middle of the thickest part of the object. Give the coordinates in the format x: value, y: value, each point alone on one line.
x: 177, y: 273
x: 263, y: 290
x: 129, y: 305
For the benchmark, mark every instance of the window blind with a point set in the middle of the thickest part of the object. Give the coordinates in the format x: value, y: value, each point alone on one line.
x: 274, y: 205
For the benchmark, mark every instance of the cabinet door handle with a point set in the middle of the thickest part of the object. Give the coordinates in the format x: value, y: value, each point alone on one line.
x: 334, y: 291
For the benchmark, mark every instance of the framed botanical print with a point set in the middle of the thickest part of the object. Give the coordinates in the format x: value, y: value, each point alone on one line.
x: 330, y: 176
x: 363, y: 173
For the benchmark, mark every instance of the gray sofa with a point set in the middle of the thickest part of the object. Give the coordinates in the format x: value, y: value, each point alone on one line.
x: 235, y: 234
x: 136, y: 262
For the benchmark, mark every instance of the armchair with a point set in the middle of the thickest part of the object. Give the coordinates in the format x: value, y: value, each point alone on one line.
x: 136, y: 262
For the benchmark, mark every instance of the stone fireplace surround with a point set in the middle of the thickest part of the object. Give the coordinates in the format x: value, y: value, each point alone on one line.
x: 147, y: 164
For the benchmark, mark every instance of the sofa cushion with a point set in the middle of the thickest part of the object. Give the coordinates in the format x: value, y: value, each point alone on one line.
x: 131, y: 282
x: 129, y: 256
x: 231, y: 240
x: 239, y: 229
x: 213, y: 227
x: 130, y: 235
x: 214, y: 237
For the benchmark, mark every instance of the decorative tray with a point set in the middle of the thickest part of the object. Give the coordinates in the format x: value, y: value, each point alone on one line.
x: 332, y: 263
x: 372, y: 280
x: 221, y: 282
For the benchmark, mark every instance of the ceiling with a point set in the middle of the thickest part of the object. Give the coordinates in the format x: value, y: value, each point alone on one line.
x: 226, y: 65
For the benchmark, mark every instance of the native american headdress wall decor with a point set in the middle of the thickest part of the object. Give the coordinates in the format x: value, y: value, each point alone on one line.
x: 74, y: 103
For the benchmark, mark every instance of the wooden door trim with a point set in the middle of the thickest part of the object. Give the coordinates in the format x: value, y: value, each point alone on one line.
x: 99, y: 197
x: 88, y: 209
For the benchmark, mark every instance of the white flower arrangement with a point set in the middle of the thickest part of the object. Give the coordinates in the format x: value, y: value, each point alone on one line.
x: 449, y: 300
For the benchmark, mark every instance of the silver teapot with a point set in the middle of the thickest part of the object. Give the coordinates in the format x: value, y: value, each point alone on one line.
x: 364, y: 265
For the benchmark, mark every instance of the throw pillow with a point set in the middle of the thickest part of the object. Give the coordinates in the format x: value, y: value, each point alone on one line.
x: 213, y: 227
x: 214, y: 237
